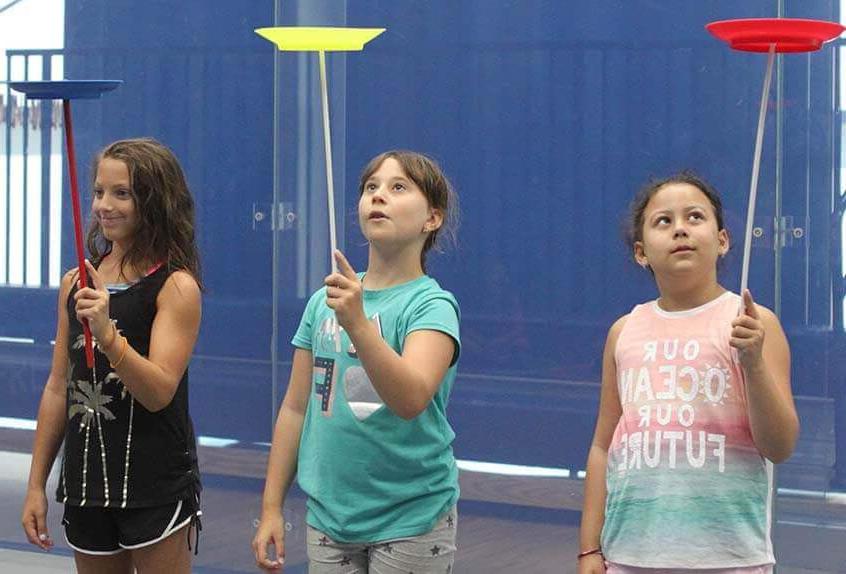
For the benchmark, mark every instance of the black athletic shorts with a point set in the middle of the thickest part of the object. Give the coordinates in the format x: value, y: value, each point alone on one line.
x: 102, y: 531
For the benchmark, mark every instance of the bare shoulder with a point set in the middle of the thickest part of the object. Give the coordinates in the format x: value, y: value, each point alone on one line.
x: 68, y: 279
x: 766, y: 313
x: 768, y: 317
x: 614, y: 334
x: 617, y: 327
x: 183, y: 281
x: 181, y: 288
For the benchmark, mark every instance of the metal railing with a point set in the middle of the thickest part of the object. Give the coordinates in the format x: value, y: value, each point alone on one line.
x: 30, y: 174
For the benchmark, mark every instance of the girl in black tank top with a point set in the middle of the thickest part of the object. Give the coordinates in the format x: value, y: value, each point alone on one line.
x: 134, y: 457
x: 129, y: 476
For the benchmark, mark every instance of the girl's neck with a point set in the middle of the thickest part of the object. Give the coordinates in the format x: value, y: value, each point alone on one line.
x: 677, y: 296
x: 393, y: 268
x: 115, y: 269
x: 117, y: 250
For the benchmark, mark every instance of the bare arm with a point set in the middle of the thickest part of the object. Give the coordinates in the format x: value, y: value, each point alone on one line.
x: 50, y: 429
x: 765, y: 358
x: 282, y: 462
x: 407, y: 382
x: 151, y: 380
x: 610, y: 410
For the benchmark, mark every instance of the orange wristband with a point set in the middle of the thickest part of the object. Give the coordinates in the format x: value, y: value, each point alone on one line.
x: 122, y: 354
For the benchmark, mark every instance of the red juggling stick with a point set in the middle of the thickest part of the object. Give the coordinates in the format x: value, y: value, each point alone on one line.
x: 66, y: 90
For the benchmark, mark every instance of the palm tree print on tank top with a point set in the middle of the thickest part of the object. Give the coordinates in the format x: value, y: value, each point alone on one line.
x: 88, y: 402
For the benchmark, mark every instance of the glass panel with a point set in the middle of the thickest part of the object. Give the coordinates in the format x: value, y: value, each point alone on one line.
x: 806, y: 246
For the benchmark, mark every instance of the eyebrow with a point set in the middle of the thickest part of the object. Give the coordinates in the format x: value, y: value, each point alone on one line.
x: 391, y: 180
x: 687, y: 208
x: 99, y: 185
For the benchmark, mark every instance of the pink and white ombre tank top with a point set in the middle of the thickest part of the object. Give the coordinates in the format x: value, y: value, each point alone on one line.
x: 687, y: 488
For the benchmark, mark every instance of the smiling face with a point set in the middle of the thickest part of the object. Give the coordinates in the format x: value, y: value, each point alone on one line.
x: 114, y: 204
x: 680, y: 232
x: 393, y: 211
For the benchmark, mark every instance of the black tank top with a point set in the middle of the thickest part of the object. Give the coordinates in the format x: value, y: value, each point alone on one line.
x: 117, y: 453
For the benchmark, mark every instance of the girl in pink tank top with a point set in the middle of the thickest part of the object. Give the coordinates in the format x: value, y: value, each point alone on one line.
x: 695, y: 407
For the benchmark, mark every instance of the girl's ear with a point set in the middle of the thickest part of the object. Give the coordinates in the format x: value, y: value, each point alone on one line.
x: 435, y: 220
x: 724, y: 241
x: 640, y: 255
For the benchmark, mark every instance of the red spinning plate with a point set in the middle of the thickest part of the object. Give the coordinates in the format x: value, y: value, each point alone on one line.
x: 788, y: 34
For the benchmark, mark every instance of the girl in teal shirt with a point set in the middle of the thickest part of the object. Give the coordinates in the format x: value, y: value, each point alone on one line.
x: 363, y: 424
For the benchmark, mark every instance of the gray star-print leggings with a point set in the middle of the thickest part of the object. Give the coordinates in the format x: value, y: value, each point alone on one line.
x: 429, y: 553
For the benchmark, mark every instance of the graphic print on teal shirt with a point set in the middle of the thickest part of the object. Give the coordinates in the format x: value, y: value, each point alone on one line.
x: 371, y: 475
x: 361, y: 396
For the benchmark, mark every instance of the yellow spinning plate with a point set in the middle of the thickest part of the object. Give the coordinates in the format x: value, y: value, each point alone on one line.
x: 322, y: 40
x: 319, y: 39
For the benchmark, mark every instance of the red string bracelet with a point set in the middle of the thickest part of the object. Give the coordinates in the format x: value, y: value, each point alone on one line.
x: 597, y: 550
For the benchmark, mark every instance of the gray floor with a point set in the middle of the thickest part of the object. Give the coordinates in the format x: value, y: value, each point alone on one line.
x: 25, y: 561
x: 507, y: 524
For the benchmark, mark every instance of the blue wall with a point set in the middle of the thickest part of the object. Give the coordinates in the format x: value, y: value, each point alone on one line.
x: 547, y: 116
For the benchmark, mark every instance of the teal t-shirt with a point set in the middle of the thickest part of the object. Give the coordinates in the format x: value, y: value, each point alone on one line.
x: 369, y: 474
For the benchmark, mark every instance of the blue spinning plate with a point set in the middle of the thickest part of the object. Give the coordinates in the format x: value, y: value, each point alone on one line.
x: 65, y: 89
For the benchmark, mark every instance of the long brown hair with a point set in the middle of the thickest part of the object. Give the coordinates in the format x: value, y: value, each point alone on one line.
x: 430, y: 178
x: 164, y: 204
